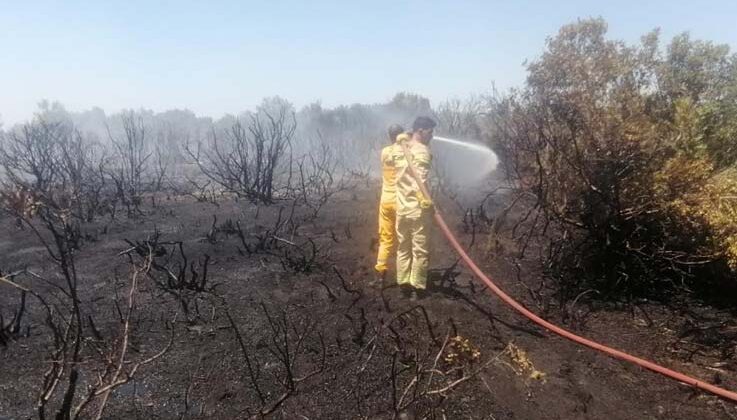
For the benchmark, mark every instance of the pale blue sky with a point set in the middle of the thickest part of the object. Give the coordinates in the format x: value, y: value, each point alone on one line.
x: 223, y: 57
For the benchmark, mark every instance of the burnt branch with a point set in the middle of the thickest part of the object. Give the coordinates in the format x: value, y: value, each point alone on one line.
x: 290, y: 342
x: 173, y: 272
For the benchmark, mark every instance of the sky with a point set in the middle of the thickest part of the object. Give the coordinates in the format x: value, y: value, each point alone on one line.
x: 221, y: 57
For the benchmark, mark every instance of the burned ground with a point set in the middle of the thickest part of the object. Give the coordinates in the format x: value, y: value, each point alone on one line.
x: 286, y: 326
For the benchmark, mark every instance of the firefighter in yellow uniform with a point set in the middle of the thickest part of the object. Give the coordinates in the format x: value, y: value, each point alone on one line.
x: 388, y: 203
x: 414, y: 210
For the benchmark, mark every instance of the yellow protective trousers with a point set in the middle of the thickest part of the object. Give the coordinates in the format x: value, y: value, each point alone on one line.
x: 413, y: 249
x: 387, y: 241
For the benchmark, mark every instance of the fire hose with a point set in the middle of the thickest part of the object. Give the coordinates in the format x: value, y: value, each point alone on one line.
x: 617, y: 354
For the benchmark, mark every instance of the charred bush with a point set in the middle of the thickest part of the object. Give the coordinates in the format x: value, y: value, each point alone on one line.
x: 247, y: 159
x: 130, y: 169
x: 319, y: 179
x: 269, y: 239
x: 49, y: 168
x: 173, y: 272
x: 303, y: 258
x: 295, y: 344
x: 11, y: 330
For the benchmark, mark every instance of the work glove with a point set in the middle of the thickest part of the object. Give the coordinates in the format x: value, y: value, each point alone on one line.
x: 404, y: 137
x: 426, y: 204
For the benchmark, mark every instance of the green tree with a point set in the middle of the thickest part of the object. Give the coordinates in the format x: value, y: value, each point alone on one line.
x: 626, y: 152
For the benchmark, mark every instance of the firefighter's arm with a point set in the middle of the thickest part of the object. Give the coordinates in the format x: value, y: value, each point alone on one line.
x: 422, y: 162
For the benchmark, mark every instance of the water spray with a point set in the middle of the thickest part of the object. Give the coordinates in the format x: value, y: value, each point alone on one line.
x: 470, y: 146
x: 483, y: 159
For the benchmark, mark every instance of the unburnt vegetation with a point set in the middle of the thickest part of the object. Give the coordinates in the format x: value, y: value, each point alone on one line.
x: 622, y: 157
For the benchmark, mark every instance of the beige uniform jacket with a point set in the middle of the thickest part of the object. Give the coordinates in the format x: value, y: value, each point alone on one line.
x: 407, y: 190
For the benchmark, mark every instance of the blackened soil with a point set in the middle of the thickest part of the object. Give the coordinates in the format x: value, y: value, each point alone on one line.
x: 353, y: 350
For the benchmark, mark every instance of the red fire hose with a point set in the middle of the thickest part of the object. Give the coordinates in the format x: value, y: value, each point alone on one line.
x: 554, y: 328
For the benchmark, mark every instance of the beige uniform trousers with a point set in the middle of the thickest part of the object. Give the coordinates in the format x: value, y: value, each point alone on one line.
x: 413, y: 249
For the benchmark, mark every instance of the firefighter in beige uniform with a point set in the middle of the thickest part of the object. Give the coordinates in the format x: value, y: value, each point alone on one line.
x: 413, y: 208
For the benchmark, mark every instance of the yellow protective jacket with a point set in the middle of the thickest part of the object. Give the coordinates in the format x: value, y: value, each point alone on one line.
x: 389, y: 171
x: 388, y: 175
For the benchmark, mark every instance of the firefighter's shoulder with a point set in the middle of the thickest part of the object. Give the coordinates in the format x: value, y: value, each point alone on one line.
x: 421, y: 152
x: 386, y: 152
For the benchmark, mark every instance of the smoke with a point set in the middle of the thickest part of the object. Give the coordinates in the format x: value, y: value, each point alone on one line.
x: 353, y: 133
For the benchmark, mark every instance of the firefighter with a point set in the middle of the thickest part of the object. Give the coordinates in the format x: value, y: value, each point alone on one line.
x: 387, y: 204
x: 414, y: 210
